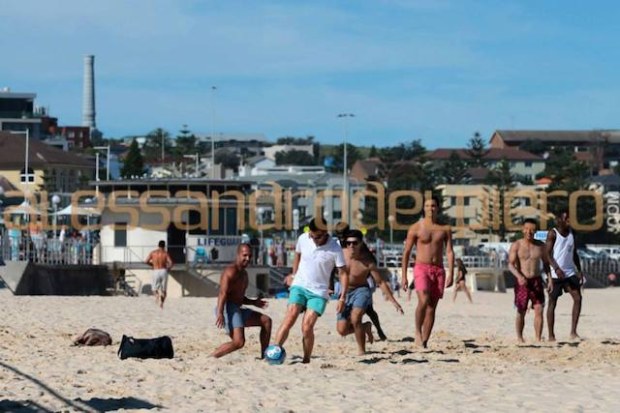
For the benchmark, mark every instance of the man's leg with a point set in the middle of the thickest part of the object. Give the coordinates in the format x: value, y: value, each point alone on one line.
x: 576, y: 294
x: 361, y: 330
x: 292, y: 312
x: 429, y: 320
x: 237, y: 342
x: 263, y: 321
x: 551, y: 316
x: 420, y: 314
x: 538, y: 321
x: 307, y: 331
x: 519, y: 324
x: 374, y: 317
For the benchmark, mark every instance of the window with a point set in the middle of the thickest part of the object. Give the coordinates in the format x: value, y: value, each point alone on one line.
x: 528, y: 164
x: 467, y: 200
x: 120, y: 234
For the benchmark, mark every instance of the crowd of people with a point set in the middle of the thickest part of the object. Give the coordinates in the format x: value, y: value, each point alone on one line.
x: 320, y: 258
x: 32, y: 243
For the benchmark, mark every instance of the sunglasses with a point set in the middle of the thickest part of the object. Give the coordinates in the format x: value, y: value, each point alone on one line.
x: 354, y: 243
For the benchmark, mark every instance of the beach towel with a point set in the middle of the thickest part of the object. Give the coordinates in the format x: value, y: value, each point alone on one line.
x: 146, y: 348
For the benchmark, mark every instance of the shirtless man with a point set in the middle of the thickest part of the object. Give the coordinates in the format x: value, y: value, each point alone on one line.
x: 566, y: 272
x: 360, y: 264
x: 430, y: 239
x: 230, y: 313
x: 161, y: 262
x: 524, y: 263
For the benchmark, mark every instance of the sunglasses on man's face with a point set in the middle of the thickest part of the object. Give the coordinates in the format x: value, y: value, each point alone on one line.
x: 352, y: 243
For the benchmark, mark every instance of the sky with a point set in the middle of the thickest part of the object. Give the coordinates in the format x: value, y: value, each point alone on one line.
x: 434, y: 70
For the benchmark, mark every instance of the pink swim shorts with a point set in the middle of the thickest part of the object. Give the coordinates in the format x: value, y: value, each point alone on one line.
x: 431, y: 278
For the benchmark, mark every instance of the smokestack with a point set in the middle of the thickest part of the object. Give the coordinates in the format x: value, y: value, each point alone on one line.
x: 88, y: 97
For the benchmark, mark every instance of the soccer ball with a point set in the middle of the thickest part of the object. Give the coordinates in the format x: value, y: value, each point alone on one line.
x: 275, y: 354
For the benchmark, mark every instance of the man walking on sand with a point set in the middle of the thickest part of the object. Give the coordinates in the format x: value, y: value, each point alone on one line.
x: 430, y: 238
x: 566, y: 272
x: 316, y: 255
x: 161, y: 262
x: 360, y: 264
x: 230, y: 313
x: 524, y: 261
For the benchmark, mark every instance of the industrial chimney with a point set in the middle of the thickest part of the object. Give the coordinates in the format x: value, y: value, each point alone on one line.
x: 88, y: 97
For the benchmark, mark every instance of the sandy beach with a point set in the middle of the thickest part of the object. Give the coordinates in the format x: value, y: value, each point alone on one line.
x: 473, y: 362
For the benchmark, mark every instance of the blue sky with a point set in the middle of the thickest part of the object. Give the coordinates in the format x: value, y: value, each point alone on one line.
x: 435, y: 70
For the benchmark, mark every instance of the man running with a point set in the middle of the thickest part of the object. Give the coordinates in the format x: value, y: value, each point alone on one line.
x: 161, y: 262
x: 361, y: 264
x: 430, y: 239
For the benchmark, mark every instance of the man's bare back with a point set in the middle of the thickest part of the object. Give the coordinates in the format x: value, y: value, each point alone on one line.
x: 159, y: 259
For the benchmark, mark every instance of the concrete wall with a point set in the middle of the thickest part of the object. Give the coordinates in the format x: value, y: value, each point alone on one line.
x: 24, y: 278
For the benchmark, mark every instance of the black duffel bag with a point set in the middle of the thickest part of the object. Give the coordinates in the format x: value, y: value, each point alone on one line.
x: 146, y: 348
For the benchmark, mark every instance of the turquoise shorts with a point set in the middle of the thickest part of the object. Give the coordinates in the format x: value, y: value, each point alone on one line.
x: 307, y: 299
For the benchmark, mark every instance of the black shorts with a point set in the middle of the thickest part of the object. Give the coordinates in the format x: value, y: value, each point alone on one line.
x: 565, y: 285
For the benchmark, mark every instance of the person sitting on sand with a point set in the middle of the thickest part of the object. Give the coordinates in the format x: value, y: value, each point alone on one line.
x: 361, y: 264
x: 229, y: 312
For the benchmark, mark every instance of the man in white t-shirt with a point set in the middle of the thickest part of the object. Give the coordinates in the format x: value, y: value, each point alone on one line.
x: 566, y: 272
x: 316, y: 255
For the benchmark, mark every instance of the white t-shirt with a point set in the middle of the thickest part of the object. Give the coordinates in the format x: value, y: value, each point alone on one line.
x: 317, y: 263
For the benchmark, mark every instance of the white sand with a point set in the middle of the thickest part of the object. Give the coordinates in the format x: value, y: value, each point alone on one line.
x: 473, y: 363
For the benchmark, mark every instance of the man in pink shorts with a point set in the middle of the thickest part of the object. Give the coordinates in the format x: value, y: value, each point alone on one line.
x: 430, y: 238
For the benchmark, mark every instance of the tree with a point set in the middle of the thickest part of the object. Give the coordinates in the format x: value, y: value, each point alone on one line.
x: 228, y: 160
x: 535, y: 146
x: 353, y: 155
x: 49, y: 181
x: 454, y: 171
x: 133, y: 164
x: 373, y: 152
x: 294, y: 157
x: 153, y: 144
x: 500, y: 182
x: 476, y: 150
x: 290, y: 140
x: 186, y: 142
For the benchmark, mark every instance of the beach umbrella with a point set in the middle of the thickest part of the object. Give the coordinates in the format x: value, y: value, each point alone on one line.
x: 23, y: 209
x: 77, y: 210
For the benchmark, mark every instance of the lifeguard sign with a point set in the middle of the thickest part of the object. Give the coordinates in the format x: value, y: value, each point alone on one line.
x: 26, y: 178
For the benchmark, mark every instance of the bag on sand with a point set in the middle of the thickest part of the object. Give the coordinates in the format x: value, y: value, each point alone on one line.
x: 93, y: 337
x: 146, y: 348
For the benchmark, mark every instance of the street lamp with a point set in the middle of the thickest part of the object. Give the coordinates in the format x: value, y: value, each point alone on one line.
x: 107, y: 163
x: 213, y: 89
x: 295, y: 221
x: 345, y: 192
x: 55, y: 202
x: 391, y: 220
x: 261, y: 254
